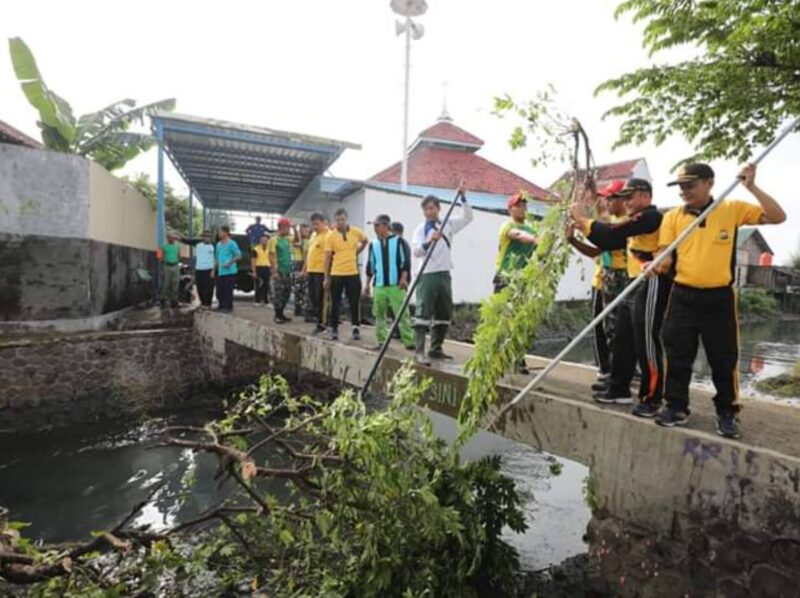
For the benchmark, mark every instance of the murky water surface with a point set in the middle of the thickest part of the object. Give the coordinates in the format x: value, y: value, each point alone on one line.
x: 70, y: 484
x: 766, y: 349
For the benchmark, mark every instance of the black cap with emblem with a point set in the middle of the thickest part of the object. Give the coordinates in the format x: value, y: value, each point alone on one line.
x: 634, y: 184
x: 693, y: 172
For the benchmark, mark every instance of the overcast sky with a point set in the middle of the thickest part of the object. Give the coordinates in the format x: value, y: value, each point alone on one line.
x: 334, y: 69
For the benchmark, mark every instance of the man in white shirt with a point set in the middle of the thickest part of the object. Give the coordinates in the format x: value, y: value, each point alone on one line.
x: 434, y: 308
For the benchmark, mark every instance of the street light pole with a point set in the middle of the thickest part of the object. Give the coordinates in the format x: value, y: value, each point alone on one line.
x: 404, y: 167
x: 413, y: 31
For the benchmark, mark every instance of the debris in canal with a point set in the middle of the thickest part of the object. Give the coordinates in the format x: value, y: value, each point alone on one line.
x: 369, y: 503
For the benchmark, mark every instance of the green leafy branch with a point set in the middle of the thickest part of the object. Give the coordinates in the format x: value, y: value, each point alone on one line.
x: 510, y: 318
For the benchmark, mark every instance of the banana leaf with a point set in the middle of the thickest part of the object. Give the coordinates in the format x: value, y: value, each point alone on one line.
x: 121, y: 122
x: 54, y: 111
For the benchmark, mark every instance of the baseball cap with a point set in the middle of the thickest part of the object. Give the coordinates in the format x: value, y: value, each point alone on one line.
x: 284, y: 222
x: 634, y: 184
x: 397, y: 227
x: 693, y: 172
x: 382, y: 219
x: 611, y: 189
x: 515, y: 199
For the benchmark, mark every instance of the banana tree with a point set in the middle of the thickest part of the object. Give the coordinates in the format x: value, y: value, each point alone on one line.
x: 104, y: 136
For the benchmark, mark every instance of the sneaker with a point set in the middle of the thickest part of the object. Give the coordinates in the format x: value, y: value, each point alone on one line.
x: 616, y: 398
x: 669, y: 417
x: 356, y: 334
x: 318, y: 330
x: 281, y: 319
x: 334, y: 335
x: 728, y: 425
x: 646, y: 409
x: 600, y: 387
x: 438, y: 354
x: 421, y: 359
x: 603, y: 377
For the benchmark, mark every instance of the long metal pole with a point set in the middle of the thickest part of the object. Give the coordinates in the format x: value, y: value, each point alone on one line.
x: 637, y: 281
x: 404, y: 166
x: 409, y: 294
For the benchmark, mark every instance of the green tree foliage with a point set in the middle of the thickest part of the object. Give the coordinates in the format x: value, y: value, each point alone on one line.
x: 329, y: 500
x: 510, y: 318
x: 742, y: 84
x: 176, y: 207
x: 104, y: 136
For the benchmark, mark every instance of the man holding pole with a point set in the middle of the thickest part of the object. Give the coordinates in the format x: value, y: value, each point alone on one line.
x: 639, y: 317
x: 703, y: 302
x: 517, y: 244
x: 434, y: 291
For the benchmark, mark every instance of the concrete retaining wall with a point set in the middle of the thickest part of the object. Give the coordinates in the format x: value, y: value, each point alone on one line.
x: 686, y: 491
x: 70, y: 236
x: 58, y: 380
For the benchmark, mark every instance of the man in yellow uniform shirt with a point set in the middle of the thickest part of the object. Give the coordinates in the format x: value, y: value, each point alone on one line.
x: 314, y: 271
x: 261, y: 270
x: 703, y: 303
x: 342, y: 247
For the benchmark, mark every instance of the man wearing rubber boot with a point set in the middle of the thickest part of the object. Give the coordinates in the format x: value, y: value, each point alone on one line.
x: 434, y: 307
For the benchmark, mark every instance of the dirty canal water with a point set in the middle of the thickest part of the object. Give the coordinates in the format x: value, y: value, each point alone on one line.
x: 68, y: 485
x: 766, y: 349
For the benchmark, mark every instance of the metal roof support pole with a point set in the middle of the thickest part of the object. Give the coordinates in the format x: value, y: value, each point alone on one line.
x: 160, y: 236
x: 191, y: 223
x: 160, y: 184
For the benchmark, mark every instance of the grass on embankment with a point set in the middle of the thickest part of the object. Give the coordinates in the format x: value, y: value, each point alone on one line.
x: 785, y: 385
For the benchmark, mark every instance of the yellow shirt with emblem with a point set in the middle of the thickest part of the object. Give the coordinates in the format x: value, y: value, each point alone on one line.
x: 597, y: 279
x: 343, y: 247
x: 262, y: 256
x: 315, y: 256
x: 707, y: 257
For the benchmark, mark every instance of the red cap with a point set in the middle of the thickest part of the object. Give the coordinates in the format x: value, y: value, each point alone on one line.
x: 515, y: 199
x: 284, y: 222
x: 611, y: 189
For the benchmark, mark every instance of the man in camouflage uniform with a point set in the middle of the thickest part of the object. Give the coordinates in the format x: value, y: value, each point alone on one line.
x: 280, y: 255
x: 299, y: 249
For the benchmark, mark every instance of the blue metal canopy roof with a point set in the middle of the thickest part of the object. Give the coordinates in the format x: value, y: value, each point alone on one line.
x: 238, y: 167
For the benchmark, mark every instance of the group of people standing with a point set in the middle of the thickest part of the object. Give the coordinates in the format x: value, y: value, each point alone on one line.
x: 216, y: 264
x: 688, y: 298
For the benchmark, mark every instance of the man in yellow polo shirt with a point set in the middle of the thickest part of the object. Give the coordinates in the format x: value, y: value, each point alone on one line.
x: 342, y: 247
x: 314, y: 271
x: 703, y: 303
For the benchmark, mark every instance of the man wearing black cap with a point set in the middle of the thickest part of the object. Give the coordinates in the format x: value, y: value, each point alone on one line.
x: 639, y: 317
x: 703, y: 303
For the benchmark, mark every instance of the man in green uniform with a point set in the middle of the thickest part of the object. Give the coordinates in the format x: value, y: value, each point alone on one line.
x: 517, y: 244
x: 389, y: 267
x: 170, y: 256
